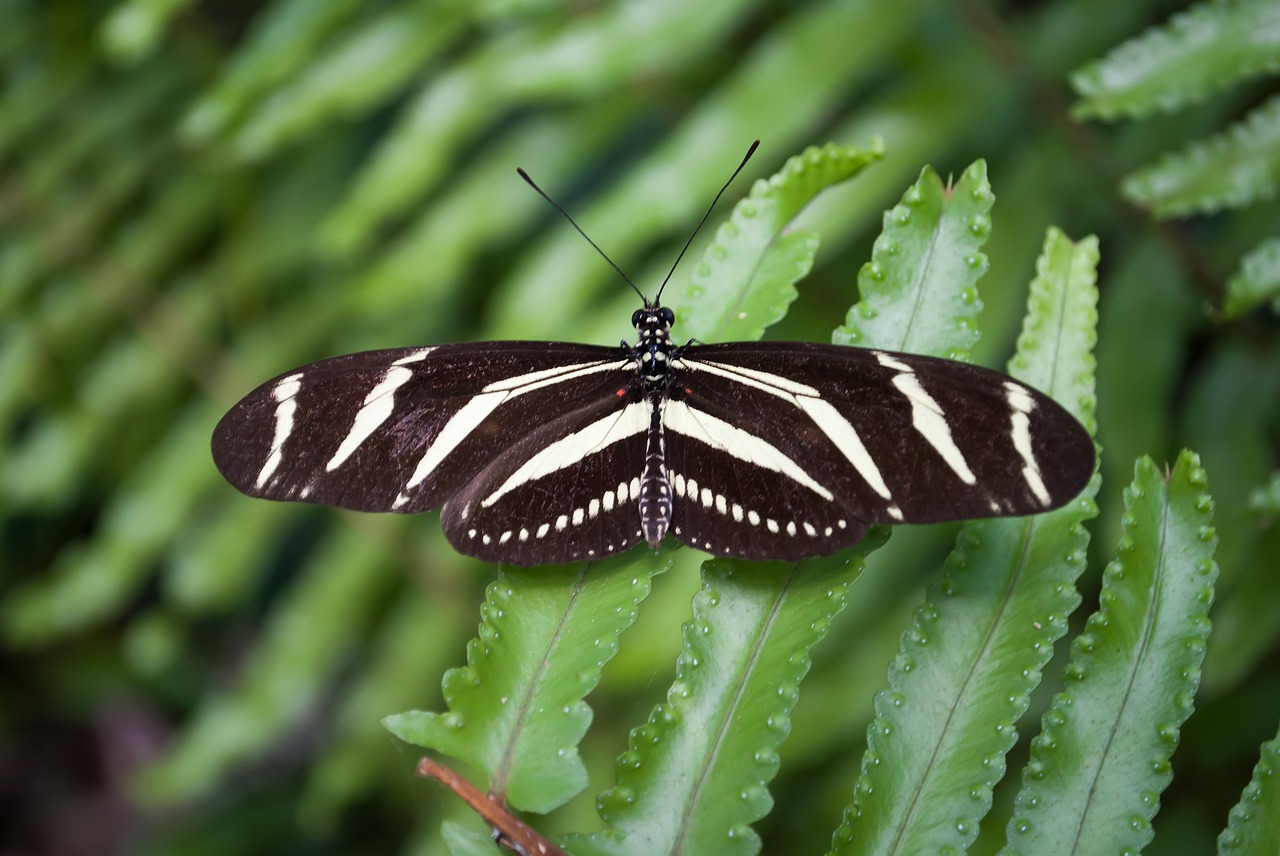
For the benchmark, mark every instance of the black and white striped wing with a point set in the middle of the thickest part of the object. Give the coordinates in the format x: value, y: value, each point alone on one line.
x: 569, y: 490
x: 785, y: 450
x: 405, y: 429
x: 745, y: 482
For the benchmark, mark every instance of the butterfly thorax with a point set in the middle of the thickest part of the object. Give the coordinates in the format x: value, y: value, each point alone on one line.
x: 654, y: 350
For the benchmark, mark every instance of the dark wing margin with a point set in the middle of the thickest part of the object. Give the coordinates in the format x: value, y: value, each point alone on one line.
x: 403, y: 429
x: 894, y: 438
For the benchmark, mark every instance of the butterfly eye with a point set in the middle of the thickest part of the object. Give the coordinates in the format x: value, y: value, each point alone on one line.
x: 636, y: 316
x: 667, y: 316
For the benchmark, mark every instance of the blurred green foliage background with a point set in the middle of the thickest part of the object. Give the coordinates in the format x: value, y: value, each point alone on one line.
x: 196, y: 196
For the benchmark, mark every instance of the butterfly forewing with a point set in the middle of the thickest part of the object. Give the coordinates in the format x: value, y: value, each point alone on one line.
x: 894, y: 438
x: 404, y: 429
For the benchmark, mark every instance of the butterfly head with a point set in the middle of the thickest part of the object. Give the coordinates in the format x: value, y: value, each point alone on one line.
x: 653, y: 323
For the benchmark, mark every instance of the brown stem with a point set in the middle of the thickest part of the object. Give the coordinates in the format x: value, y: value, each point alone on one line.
x: 512, y: 833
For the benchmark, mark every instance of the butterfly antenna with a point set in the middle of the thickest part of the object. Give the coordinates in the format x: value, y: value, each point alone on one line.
x: 712, y: 207
x: 602, y: 253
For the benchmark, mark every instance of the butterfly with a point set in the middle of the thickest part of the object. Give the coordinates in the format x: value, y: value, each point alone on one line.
x: 551, y: 452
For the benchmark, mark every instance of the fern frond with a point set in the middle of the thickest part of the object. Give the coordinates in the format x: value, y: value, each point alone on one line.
x: 746, y: 278
x: 417, y: 638
x: 1266, y: 499
x: 1208, y: 47
x: 135, y: 27
x: 696, y: 775
x: 1254, y: 823
x: 86, y: 587
x: 449, y: 236
x: 670, y: 187
x: 1234, y: 169
x: 596, y: 54
x: 967, y: 666
x: 283, y: 41
x: 306, y: 642
x: 217, y: 561
x: 918, y: 293
x: 1256, y: 281
x: 343, y: 81
x: 516, y: 710
x: 1102, y: 759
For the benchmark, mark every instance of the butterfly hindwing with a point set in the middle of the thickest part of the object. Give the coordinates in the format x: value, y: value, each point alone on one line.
x: 734, y: 499
x: 567, y: 491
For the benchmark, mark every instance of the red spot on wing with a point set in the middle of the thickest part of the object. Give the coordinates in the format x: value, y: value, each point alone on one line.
x: 621, y: 392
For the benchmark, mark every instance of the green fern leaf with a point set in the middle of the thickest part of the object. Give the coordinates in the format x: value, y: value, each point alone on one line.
x: 1146, y: 290
x: 485, y: 204
x: 1234, y: 169
x: 1102, y: 758
x: 20, y: 374
x: 746, y: 278
x: 516, y: 710
x: 135, y: 27
x: 343, y: 81
x: 1266, y: 499
x: 217, y: 559
x: 919, y: 291
x: 462, y: 841
x: 416, y: 640
x: 1257, y: 280
x: 1230, y: 404
x: 967, y: 666
x: 594, y: 55
x: 285, y: 37
x: 89, y: 584
x: 696, y: 775
x: 1254, y: 823
x: 297, y: 658
x: 1208, y: 47
x: 110, y: 124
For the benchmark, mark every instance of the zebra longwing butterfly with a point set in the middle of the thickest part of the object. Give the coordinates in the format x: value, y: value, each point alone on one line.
x: 547, y: 452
